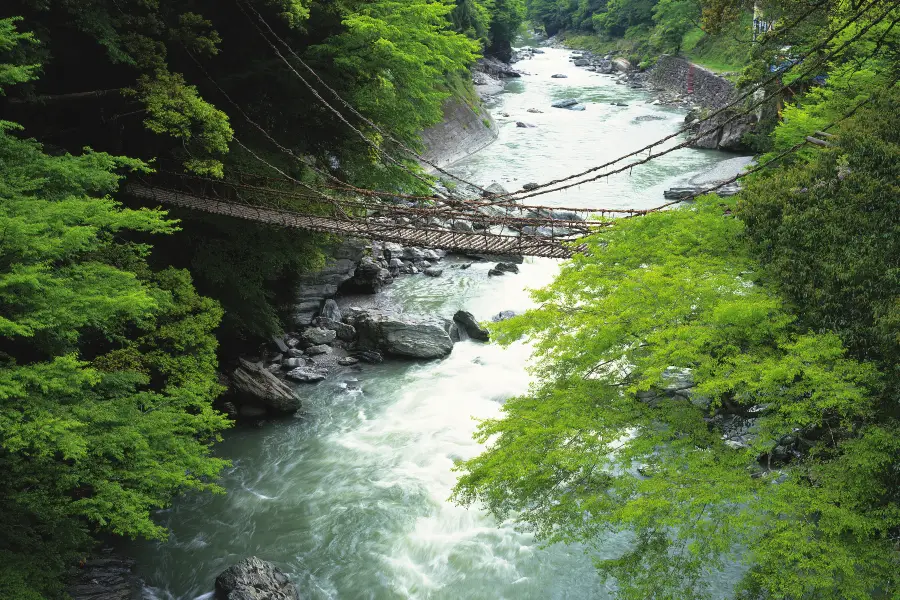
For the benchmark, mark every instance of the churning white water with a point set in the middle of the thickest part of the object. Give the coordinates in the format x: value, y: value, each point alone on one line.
x: 350, y: 497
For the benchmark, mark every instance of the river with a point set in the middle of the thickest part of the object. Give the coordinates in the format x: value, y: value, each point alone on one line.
x: 350, y: 497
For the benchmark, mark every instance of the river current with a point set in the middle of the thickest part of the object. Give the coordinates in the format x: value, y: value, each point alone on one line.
x: 350, y: 496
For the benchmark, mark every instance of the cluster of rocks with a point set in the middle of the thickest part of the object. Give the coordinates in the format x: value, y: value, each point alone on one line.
x: 526, y: 53
x: 668, y: 81
x: 105, y: 576
x: 358, y: 267
x: 626, y: 74
x: 503, y: 268
x: 606, y: 65
x: 488, y: 74
x: 259, y: 386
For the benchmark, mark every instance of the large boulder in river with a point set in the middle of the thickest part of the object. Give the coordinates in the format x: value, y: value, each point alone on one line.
x: 254, y: 579
x: 308, y: 373
x: 471, y: 326
x: 260, y: 386
x: 567, y: 103
x: 369, y: 278
x: 422, y: 338
x: 496, y: 188
x: 622, y: 65
x: 316, y: 336
x: 502, y: 268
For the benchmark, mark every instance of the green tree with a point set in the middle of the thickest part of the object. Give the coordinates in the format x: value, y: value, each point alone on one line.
x: 673, y: 18
x: 107, y: 368
x: 620, y: 15
x: 552, y: 15
x: 828, y: 226
x: 681, y: 405
x: 401, y: 55
x: 506, y: 20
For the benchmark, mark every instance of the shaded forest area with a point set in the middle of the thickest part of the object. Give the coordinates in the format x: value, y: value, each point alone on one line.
x: 113, y: 316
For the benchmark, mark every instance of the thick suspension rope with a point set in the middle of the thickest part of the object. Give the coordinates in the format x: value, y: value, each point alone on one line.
x: 385, y: 134
x: 523, y: 194
x: 535, y: 191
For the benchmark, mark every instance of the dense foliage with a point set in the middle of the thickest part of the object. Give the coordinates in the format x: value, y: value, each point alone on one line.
x: 644, y: 29
x: 493, y: 22
x: 107, y: 367
x: 146, y: 79
x: 717, y: 385
x: 614, y: 17
x: 108, y: 352
x: 616, y: 440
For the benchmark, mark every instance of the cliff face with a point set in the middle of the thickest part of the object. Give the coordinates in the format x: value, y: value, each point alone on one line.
x: 461, y: 133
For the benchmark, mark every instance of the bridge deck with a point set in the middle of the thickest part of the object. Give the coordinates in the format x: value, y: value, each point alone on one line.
x: 480, y: 242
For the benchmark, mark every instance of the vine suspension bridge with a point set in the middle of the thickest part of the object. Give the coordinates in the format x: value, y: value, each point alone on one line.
x: 476, y: 226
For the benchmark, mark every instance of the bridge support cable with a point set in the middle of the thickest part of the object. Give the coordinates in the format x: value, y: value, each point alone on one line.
x: 541, y: 189
x: 387, y: 135
x: 404, y: 234
x: 340, y: 184
x: 183, y: 191
x: 378, y: 149
x: 426, y: 234
x: 498, y: 199
x: 772, y: 34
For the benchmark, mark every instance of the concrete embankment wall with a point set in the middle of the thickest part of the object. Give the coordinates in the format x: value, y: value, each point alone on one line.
x: 462, y: 132
x: 674, y: 74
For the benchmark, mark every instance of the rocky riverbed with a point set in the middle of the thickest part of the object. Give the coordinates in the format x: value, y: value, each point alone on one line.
x: 325, y: 339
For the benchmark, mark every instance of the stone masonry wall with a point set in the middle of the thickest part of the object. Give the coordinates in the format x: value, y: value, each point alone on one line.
x: 710, y: 90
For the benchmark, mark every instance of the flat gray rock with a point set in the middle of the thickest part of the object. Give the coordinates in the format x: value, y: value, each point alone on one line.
x: 308, y: 374
x: 260, y: 385
x: 568, y: 102
x: 423, y: 338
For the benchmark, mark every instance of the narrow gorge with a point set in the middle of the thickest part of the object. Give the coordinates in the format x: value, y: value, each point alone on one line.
x: 351, y: 493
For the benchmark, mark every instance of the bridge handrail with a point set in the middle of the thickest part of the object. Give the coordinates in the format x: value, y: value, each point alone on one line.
x: 248, y: 179
x: 229, y: 191
x: 368, y: 225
